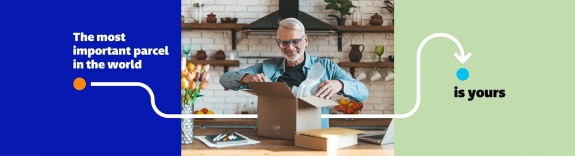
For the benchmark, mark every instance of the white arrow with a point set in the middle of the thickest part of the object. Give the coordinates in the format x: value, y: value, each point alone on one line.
x: 462, y: 57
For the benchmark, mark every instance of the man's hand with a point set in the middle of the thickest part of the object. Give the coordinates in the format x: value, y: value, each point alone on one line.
x: 327, y: 88
x: 253, y: 78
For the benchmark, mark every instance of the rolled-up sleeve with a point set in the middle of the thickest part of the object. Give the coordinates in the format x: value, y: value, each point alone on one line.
x: 231, y: 79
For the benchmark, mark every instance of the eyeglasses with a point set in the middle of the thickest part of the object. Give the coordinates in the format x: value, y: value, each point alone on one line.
x: 294, y: 42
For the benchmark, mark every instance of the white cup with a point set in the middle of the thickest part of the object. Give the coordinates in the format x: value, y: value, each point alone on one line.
x: 232, y: 56
x: 361, y: 76
x: 376, y: 76
x: 390, y: 76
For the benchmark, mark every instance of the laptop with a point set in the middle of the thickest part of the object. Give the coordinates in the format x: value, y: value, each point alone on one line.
x: 379, y: 137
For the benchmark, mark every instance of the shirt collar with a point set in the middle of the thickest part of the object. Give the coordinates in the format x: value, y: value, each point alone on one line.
x: 307, y: 62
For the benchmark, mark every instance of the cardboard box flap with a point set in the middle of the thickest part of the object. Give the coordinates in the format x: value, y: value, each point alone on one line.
x: 318, y: 102
x: 333, y: 131
x: 271, y: 89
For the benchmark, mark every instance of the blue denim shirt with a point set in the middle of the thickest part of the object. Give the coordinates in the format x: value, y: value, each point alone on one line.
x: 275, y: 67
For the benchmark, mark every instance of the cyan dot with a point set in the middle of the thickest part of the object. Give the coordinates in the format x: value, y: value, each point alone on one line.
x: 462, y: 74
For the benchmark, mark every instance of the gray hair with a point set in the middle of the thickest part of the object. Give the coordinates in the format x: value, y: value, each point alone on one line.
x: 292, y: 23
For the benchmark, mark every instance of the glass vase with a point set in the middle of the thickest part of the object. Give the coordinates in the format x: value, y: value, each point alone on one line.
x: 187, y: 124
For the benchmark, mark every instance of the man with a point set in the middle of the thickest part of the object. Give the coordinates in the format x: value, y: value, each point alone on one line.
x: 294, y: 66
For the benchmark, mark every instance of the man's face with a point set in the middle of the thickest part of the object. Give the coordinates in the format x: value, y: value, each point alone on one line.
x: 288, y: 43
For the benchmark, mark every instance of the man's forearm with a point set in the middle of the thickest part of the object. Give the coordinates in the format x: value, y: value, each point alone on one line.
x: 355, y: 90
x: 231, y: 80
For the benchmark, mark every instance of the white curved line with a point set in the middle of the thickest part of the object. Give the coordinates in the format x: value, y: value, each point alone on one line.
x: 160, y: 113
x: 418, y: 82
x: 406, y: 115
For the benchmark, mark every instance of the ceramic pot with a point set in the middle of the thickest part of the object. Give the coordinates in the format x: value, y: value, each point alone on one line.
x: 341, y: 21
x: 211, y: 18
x: 376, y: 20
x: 220, y: 55
x: 201, y: 55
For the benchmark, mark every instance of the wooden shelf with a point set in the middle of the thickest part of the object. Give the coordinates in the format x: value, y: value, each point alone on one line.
x: 212, y: 26
x: 360, y: 29
x: 366, y: 64
x: 353, y: 65
x: 363, y: 29
x: 233, y: 27
x: 234, y: 63
x: 225, y: 63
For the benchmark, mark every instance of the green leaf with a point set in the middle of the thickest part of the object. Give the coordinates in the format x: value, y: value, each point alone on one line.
x: 344, y: 11
x: 330, y: 1
x: 332, y: 6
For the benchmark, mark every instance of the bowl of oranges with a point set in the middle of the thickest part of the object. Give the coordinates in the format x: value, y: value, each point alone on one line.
x: 348, y: 106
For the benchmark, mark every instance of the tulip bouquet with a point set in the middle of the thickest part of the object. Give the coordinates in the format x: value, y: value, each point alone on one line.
x: 194, y: 79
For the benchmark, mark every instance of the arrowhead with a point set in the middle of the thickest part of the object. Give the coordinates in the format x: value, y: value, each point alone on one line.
x: 463, y: 57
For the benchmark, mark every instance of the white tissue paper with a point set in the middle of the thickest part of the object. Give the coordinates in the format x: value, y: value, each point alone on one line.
x: 311, y: 83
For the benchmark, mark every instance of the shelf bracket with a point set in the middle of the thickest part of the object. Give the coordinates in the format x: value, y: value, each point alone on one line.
x: 352, y: 72
x: 226, y: 68
x: 339, y: 38
x: 234, y: 40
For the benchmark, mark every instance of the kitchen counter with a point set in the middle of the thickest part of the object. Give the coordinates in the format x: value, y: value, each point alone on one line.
x: 269, y: 146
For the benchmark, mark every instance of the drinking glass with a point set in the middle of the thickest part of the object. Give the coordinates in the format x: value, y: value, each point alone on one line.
x: 379, y: 51
x: 186, y: 50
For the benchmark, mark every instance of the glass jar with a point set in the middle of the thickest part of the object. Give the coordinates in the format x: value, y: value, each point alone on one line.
x: 199, y: 11
x: 356, y: 19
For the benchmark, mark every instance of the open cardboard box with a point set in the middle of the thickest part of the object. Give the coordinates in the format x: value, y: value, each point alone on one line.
x: 281, y: 114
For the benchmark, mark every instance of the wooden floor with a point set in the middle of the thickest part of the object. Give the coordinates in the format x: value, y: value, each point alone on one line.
x: 269, y: 146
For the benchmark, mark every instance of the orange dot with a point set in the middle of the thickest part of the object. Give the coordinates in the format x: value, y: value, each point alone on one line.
x: 79, y: 83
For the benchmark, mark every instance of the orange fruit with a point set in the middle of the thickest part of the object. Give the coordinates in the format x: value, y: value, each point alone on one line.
x: 349, y: 111
x: 210, y: 112
x: 342, y: 101
x: 357, y: 106
x: 204, y: 110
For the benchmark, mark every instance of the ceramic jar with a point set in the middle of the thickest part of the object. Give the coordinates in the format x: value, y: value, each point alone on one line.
x: 220, y: 55
x: 376, y: 20
x: 201, y: 55
x: 211, y: 18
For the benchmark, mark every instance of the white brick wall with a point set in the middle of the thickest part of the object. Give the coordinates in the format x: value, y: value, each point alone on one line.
x: 215, y: 98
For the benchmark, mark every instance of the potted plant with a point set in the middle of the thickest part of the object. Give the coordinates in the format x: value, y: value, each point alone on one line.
x: 342, y: 7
